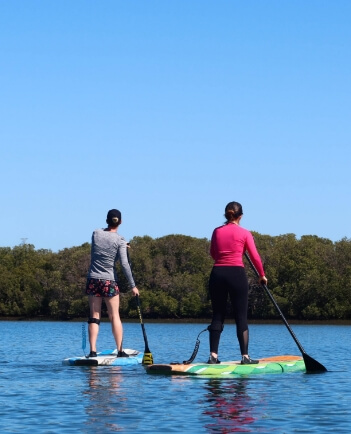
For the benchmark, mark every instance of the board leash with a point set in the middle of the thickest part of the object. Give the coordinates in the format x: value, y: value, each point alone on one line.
x: 196, y: 349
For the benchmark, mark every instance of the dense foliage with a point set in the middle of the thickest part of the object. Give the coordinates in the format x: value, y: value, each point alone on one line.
x: 310, y: 278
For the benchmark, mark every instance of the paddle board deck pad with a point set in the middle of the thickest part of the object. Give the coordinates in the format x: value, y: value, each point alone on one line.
x: 269, y: 365
x: 107, y: 358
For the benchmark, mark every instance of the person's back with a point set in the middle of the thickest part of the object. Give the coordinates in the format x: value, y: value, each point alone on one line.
x: 228, y: 244
x: 104, y: 250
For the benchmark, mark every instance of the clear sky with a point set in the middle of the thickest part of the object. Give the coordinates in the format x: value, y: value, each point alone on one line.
x: 170, y: 109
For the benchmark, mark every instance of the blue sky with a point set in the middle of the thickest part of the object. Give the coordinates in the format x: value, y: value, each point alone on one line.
x: 168, y: 110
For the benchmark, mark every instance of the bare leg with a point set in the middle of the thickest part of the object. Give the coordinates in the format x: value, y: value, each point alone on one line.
x: 95, y: 312
x: 112, y: 304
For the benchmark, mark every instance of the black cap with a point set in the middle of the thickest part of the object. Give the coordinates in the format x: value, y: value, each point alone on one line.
x: 114, y: 217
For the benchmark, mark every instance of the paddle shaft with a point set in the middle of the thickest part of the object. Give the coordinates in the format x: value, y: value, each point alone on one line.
x: 311, y: 364
x: 147, y: 350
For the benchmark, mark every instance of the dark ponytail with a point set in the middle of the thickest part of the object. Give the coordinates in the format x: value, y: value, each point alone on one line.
x: 232, y: 211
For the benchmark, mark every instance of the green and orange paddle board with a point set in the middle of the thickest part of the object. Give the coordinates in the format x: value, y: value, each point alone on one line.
x: 269, y: 365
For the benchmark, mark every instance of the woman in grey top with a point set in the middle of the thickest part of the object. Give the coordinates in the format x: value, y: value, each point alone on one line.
x: 107, y: 247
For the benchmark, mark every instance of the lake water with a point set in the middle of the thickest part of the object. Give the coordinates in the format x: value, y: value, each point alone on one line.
x: 39, y: 394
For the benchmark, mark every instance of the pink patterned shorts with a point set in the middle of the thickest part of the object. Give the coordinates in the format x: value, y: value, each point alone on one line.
x: 101, y: 288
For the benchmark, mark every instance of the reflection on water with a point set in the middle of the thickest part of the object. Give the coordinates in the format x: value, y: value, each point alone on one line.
x: 105, y: 398
x: 229, y: 405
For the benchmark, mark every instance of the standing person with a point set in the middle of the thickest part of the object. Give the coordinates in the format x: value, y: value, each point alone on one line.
x: 228, y: 276
x: 107, y: 247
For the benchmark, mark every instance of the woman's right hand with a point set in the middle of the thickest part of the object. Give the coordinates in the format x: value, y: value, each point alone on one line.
x: 263, y: 280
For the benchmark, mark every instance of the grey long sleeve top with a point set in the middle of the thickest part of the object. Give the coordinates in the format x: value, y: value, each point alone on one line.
x: 107, y: 248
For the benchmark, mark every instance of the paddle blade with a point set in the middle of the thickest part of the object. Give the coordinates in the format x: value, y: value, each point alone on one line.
x: 148, y: 359
x: 312, y: 366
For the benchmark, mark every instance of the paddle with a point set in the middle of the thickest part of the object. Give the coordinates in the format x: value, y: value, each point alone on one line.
x: 147, y: 357
x: 312, y: 366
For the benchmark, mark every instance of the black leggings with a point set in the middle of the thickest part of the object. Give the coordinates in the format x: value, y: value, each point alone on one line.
x: 232, y: 281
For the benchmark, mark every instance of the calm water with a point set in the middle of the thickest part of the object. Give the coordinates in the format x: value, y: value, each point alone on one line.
x: 38, y: 394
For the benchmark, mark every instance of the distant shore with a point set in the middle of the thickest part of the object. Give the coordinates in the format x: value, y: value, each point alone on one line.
x: 182, y: 320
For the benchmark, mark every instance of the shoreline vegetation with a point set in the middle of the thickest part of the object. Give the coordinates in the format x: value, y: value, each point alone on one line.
x: 310, y: 278
x: 204, y: 321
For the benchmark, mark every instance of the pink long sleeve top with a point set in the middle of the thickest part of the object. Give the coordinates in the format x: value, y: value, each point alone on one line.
x: 228, y: 245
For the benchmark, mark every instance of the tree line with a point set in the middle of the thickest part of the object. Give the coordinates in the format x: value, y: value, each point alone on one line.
x: 310, y: 278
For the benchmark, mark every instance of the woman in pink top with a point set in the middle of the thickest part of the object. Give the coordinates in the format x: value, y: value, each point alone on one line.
x: 228, y: 276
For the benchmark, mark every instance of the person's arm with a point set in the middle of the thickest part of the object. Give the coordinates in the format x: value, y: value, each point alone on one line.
x: 123, y: 258
x: 212, y: 247
x: 255, y: 258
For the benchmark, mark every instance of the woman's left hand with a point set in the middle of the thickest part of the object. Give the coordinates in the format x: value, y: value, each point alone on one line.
x: 135, y: 291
